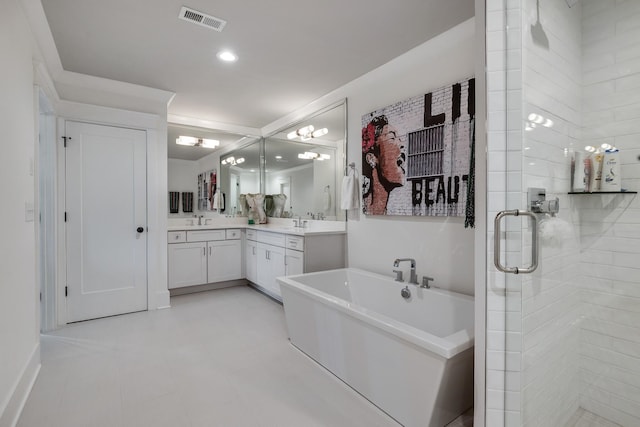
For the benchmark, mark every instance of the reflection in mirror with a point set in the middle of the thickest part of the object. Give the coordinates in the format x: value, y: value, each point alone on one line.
x: 303, y: 166
x: 188, y: 165
x: 240, y: 175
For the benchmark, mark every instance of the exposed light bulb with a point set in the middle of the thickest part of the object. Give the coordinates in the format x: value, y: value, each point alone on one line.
x: 210, y: 143
x: 186, y: 140
x: 320, y: 132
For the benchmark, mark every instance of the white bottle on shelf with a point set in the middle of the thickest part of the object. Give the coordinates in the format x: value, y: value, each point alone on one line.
x: 611, y: 171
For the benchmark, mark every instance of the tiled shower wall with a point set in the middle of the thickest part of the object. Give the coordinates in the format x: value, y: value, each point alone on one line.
x: 551, y: 308
x: 550, y: 333
x: 504, y: 112
x: 610, y: 224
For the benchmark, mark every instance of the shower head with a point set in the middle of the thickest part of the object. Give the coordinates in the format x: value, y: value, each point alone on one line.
x: 571, y: 3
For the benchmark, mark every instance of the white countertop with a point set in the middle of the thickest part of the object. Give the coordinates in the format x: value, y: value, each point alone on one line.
x: 277, y: 226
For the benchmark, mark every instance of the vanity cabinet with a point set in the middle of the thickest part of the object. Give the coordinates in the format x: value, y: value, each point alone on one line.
x: 278, y: 254
x: 204, y: 256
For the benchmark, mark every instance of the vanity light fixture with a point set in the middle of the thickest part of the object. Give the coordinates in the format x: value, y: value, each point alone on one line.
x: 307, y: 132
x: 197, y: 142
x: 233, y: 161
x: 307, y: 155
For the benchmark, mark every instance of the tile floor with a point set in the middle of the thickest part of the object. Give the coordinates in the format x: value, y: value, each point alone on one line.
x: 584, y: 418
x: 217, y: 358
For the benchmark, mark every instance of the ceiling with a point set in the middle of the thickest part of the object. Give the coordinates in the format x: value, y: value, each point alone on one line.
x: 291, y: 52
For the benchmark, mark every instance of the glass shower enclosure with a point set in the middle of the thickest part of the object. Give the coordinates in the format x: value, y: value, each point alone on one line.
x: 563, y: 340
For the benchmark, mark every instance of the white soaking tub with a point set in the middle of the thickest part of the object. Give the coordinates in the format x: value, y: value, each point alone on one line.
x: 413, y: 358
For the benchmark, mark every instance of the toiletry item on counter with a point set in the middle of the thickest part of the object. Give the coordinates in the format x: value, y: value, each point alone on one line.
x: 611, y: 171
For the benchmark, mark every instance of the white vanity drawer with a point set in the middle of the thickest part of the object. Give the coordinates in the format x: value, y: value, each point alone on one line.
x: 177, y: 237
x: 252, y: 235
x: 205, y: 235
x: 295, y: 242
x: 233, y: 234
x: 274, y: 239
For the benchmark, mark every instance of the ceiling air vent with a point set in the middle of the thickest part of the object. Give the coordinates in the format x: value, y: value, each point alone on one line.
x: 202, y: 19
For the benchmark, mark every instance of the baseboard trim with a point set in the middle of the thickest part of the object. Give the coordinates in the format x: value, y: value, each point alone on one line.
x: 21, y: 390
x: 162, y: 300
x: 207, y: 287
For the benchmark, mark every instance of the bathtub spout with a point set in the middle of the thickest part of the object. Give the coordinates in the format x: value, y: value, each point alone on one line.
x: 414, y: 277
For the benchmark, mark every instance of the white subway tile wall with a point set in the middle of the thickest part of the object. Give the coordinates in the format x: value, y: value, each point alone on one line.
x: 610, y: 224
x: 567, y: 336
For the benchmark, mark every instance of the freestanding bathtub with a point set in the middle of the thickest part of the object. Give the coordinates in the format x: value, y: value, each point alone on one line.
x: 413, y: 358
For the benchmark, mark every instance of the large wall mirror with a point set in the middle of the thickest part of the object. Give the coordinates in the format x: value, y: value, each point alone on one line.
x: 305, y: 162
x: 298, y: 168
x: 193, y: 170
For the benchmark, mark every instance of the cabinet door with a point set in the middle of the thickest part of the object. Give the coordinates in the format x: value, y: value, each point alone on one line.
x: 187, y: 264
x: 224, y: 260
x: 251, y: 261
x: 270, y: 266
x: 294, y: 262
x: 264, y: 268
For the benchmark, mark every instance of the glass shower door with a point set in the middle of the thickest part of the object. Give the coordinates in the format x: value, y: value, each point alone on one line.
x: 572, y: 326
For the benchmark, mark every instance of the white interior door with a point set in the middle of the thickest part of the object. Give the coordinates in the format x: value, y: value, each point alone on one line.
x: 106, y: 218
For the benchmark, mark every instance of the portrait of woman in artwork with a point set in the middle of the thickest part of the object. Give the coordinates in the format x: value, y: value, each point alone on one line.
x: 383, y: 164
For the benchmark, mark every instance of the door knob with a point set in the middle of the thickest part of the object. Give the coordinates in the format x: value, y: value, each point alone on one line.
x: 140, y: 229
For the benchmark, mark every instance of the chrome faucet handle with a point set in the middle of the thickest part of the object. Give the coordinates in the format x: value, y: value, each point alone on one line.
x: 425, y: 282
x: 295, y: 223
x: 398, y: 275
x: 413, y: 279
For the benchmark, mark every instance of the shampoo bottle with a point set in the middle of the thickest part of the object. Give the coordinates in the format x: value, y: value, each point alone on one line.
x: 611, y: 171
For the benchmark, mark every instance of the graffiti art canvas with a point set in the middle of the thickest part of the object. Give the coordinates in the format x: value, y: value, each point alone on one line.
x: 417, y: 154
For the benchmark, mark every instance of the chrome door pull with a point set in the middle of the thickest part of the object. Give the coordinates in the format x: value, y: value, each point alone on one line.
x: 534, y: 242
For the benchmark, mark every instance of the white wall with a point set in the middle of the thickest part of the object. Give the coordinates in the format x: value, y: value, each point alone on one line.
x: 442, y: 247
x: 19, y: 324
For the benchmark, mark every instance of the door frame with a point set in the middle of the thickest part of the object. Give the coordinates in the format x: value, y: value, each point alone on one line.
x: 45, y: 211
x: 155, y: 127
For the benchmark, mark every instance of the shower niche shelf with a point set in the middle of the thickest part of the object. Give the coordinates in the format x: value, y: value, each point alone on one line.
x: 603, y: 192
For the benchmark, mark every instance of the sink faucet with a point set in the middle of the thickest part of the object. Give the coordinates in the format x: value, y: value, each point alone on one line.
x: 414, y: 277
x: 200, y: 219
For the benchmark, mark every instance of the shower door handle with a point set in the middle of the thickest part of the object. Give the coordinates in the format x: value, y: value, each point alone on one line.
x: 534, y: 242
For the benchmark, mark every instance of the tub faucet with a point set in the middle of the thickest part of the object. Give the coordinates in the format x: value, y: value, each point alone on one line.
x: 414, y: 277
x: 425, y: 282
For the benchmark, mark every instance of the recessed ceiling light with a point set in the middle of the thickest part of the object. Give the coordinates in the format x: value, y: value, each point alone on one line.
x: 278, y: 157
x: 227, y: 56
